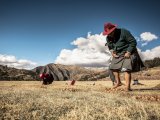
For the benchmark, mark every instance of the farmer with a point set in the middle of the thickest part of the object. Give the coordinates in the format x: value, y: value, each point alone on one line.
x: 122, y: 46
x: 47, y: 78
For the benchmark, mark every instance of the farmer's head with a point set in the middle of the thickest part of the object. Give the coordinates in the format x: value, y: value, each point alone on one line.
x: 109, y: 29
x: 42, y: 75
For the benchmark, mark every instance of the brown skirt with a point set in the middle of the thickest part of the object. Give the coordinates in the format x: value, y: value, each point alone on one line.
x: 132, y: 64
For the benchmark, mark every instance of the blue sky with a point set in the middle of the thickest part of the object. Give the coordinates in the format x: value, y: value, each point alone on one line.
x: 38, y: 30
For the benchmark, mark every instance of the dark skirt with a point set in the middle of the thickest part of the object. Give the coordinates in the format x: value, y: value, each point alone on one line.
x: 132, y: 64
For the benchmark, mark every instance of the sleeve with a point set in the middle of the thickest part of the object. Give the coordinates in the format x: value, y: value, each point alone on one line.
x: 110, y: 45
x: 131, y: 40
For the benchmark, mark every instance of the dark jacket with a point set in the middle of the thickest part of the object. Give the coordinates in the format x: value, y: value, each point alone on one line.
x: 122, y: 42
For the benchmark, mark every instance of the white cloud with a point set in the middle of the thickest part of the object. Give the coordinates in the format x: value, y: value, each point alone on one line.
x: 138, y: 39
x: 144, y: 44
x: 90, y: 52
x: 7, y: 59
x: 11, y: 61
x: 150, y: 54
x: 148, y: 36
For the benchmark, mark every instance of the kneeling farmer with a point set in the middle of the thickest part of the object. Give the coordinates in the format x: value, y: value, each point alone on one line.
x: 47, y: 78
x: 125, y: 59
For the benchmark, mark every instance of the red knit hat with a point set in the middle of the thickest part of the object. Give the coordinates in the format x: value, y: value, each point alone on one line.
x: 108, y: 28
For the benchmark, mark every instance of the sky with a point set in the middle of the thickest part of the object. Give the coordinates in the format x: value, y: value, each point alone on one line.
x: 39, y: 32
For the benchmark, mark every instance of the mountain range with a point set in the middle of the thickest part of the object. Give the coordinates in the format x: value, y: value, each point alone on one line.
x: 59, y: 72
x: 70, y: 72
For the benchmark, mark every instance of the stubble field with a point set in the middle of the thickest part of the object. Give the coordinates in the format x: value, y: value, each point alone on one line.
x: 94, y: 100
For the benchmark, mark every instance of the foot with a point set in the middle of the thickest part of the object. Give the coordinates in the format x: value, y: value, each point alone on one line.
x: 117, y: 85
x: 121, y: 84
x: 128, y: 89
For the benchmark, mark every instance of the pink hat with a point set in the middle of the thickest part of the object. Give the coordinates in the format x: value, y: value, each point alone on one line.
x: 42, y: 75
x: 108, y: 28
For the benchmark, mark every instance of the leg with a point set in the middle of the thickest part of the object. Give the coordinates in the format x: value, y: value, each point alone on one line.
x: 117, y: 78
x: 128, y: 80
x: 111, y: 75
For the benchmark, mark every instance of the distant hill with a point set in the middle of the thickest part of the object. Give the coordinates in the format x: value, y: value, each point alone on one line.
x: 66, y: 72
x: 8, y: 73
x: 152, y: 63
x: 148, y: 74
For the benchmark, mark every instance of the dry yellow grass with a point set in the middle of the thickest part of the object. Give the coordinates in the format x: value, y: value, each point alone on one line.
x: 29, y: 100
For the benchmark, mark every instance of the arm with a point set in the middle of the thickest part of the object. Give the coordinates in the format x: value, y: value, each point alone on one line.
x: 131, y: 40
x: 132, y: 43
x: 110, y: 45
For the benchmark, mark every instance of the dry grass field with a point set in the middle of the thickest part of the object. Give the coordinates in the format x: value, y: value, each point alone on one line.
x: 29, y: 100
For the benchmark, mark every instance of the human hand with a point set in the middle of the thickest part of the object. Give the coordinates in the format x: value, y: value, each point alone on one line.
x: 114, y: 55
x: 127, y: 54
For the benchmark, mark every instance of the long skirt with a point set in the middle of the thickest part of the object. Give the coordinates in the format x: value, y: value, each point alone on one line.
x: 132, y: 64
